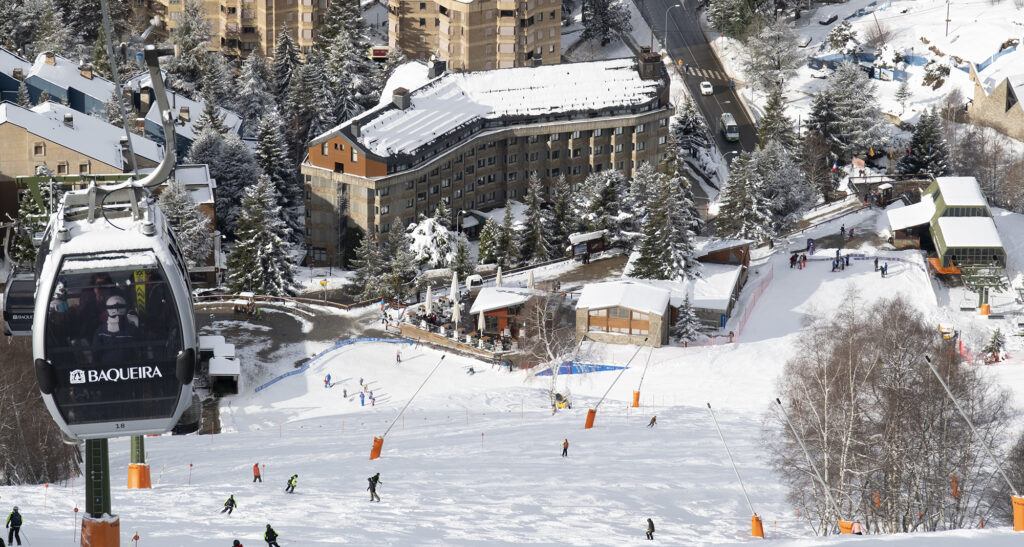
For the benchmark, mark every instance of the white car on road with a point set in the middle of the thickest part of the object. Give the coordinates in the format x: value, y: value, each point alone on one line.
x: 706, y: 88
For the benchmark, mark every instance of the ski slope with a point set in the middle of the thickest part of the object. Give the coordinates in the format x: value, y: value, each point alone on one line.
x: 476, y: 459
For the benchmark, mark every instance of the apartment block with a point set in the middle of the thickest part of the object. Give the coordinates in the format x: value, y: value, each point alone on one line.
x: 239, y: 27
x: 471, y: 140
x: 478, y: 34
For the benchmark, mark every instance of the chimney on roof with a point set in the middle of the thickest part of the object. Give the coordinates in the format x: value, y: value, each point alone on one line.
x: 123, y: 146
x: 86, y: 70
x: 354, y: 127
x: 51, y: 59
x: 436, y: 68
x: 649, y: 64
x: 184, y: 115
x: 18, y: 74
x: 401, y: 98
x: 69, y: 120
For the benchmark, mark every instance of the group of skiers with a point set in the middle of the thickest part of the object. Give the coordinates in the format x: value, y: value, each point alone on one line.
x: 798, y: 261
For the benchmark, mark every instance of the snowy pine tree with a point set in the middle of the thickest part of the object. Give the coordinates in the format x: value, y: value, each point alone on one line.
x: 784, y: 191
x: 645, y: 180
x: 259, y: 260
x: 233, y: 167
x: 508, y: 239
x: 537, y: 234
x: 52, y: 32
x: 112, y: 109
x: 731, y: 17
x: 743, y: 213
x: 771, y: 57
x: 298, y: 112
x: 774, y: 124
x: 369, y: 266
x: 563, y: 220
x: 323, y: 117
x: 33, y: 216
x: 603, y: 20
x: 272, y: 157
x: 44, y: 97
x: 902, y: 94
x: 400, y: 275
x: 254, y: 96
x: 687, y: 327
x: 488, y: 250
x: 463, y: 264
x: 210, y: 118
x: 598, y: 202
x: 24, y: 100
x: 216, y: 81
x: 680, y: 221
x: 190, y: 225
x: 928, y: 151
x: 191, y: 33
x: 443, y: 216
x: 995, y: 344
x: 847, y: 114
x: 666, y: 246
x: 432, y: 245
x: 286, y: 64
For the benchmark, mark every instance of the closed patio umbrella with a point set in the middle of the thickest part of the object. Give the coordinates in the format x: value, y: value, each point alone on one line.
x: 497, y: 278
x: 453, y: 294
x: 481, y: 323
x: 529, y: 280
x: 429, y: 297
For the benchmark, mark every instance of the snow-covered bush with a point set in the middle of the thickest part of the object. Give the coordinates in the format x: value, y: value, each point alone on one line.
x: 432, y: 244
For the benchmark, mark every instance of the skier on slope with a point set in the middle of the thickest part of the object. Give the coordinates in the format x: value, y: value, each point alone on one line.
x: 237, y: 543
x: 374, y: 481
x: 14, y: 521
x: 229, y: 505
x: 650, y: 529
x: 270, y: 536
x: 565, y: 448
x: 256, y: 472
x: 292, y: 482
x: 654, y: 421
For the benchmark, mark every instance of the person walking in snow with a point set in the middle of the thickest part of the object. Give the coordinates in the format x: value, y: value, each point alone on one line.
x: 374, y: 481
x: 792, y: 261
x: 327, y: 381
x: 833, y: 264
x: 876, y: 263
x: 847, y: 260
x: 803, y: 258
x: 14, y: 521
x: 842, y: 231
x: 851, y: 234
x: 654, y: 422
x: 565, y: 448
x: 292, y: 482
x: 256, y: 472
x: 270, y: 536
x: 650, y: 529
x: 344, y: 392
x: 885, y: 268
x: 229, y: 505
x: 362, y: 398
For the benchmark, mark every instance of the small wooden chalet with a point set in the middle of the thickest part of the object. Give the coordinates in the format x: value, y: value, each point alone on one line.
x: 503, y: 309
x: 623, y: 312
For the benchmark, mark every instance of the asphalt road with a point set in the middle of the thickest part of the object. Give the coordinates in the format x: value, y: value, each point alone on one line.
x: 686, y: 42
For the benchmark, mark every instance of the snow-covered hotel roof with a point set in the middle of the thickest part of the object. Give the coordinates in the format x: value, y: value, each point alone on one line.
x: 87, y: 135
x: 497, y: 98
x: 633, y: 295
x: 961, y: 192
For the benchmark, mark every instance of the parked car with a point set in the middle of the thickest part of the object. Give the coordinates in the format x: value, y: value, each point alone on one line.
x: 828, y: 18
x: 821, y: 73
x: 706, y: 88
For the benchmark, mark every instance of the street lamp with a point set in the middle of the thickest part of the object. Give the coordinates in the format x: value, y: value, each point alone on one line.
x: 664, y: 41
x: 458, y: 218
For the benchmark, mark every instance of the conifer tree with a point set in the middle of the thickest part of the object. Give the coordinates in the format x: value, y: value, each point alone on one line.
x: 687, y: 327
x: 216, y: 81
x: 298, y: 112
x: 432, y: 245
x: 508, y: 242
x: 44, y: 97
x: 847, y: 114
x: 743, y: 213
x: 191, y: 33
x: 995, y: 344
x: 488, y: 250
x: 233, y: 167
x: 24, y: 99
x: 323, y: 115
x: 928, y: 152
x: 286, y: 64
x: 598, y: 202
x: 902, y: 94
x: 32, y: 219
x: 272, y: 157
x: 666, y: 246
x: 255, y: 96
x: 537, y: 234
x: 400, y: 277
x: 645, y: 179
x: 369, y: 266
x: 190, y: 225
x: 259, y: 260
x: 563, y: 219
x: 442, y: 216
x: 775, y: 125
x: 112, y: 109
x: 463, y: 264
x: 210, y: 118
x: 603, y: 20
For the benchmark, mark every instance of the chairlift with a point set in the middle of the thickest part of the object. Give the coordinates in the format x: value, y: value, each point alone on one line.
x: 114, y: 336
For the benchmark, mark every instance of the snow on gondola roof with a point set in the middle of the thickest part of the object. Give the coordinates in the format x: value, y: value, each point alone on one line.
x: 455, y: 100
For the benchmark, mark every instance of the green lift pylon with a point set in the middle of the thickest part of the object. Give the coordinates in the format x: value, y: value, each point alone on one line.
x: 99, y: 527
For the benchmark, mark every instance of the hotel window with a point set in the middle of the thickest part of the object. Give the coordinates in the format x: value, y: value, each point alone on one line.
x: 512, y: 158
x: 39, y: 149
x: 385, y: 191
x: 512, y: 176
x: 83, y: 168
x: 575, y: 135
x: 408, y: 203
x: 554, y: 137
x: 512, y: 140
x: 62, y: 168
x: 640, y: 128
x: 597, y: 132
x: 599, y: 149
x: 422, y: 196
x: 663, y: 122
x: 575, y: 152
x: 513, y: 193
x: 385, y: 209
x: 323, y: 149
x: 620, y: 165
x: 533, y: 156
x: 663, y: 139
x: 355, y: 156
x: 554, y: 154
x: 490, y: 160
x: 409, y: 184
x: 481, y: 162
x: 446, y: 183
x: 434, y: 189
x: 640, y: 145
x: 618, y: 147
x: 458, y: 193
x: 423, y: 22
x: 618, y: 130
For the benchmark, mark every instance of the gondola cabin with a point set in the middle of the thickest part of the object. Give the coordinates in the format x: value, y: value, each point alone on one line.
x: 19, y: 304
x: 114, y: 336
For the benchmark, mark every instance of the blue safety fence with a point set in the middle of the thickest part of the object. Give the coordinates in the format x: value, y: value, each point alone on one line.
x: 337, y: 345
x: 579, y: 368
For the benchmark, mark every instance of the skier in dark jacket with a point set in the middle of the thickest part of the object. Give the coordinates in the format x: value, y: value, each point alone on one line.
x: 650, y: 529
x: 270, y: 536
x: 229, y: 505
x: 374, y: 481
x: 565, y: 448
x: 654, y: 421
x: 14, y: 523
x: 292, y: 482
x: 237, y: 543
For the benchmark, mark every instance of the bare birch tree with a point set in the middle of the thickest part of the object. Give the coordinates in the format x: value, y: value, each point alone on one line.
x: 548, y: 336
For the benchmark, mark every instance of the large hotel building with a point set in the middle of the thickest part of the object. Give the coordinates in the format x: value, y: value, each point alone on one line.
x: 471, y: 140
x: 478, y: 34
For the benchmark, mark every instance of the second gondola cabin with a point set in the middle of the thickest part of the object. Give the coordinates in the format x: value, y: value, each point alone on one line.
x: 114, y: 336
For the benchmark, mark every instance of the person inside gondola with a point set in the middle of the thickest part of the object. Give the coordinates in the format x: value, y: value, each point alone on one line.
x: 113, y: 341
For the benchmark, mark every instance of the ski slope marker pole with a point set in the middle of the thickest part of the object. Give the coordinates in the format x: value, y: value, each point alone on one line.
x: 378, y: 442
x: 592, y: 413
x: 755, y: 521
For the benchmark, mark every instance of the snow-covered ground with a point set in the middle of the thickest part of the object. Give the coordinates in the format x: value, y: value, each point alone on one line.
x: 476, y: 458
